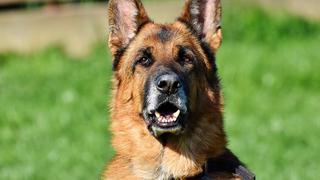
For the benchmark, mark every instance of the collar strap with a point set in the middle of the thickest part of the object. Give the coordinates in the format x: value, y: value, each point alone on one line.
x: 229, y: 163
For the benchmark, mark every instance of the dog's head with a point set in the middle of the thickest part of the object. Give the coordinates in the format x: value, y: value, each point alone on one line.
x: 166, y: 72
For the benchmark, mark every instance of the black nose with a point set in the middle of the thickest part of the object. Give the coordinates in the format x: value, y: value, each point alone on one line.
x: 168, y: 83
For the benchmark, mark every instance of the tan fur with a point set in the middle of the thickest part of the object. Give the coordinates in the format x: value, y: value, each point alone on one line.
x: 139, y: 155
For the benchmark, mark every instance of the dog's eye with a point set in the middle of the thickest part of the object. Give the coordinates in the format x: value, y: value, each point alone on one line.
x: 145, y: 61
x: 187, y: 59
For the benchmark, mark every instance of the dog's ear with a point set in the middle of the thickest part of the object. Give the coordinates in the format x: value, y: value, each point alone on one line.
x: 125, y: 17
x: 204, y: 16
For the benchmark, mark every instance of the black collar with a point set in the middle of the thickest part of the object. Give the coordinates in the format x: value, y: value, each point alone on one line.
x: 227, y: 162
x: 239, y: 170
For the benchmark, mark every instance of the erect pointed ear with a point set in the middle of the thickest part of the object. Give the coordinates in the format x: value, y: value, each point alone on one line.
x: 125, y: 17
x: 205, y: 18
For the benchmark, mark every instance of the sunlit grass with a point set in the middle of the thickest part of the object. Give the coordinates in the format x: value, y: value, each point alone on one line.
x: 272, y: 100
x: 53, y: 116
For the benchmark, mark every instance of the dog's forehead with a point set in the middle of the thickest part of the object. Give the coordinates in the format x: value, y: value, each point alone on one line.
x: 157, y: 34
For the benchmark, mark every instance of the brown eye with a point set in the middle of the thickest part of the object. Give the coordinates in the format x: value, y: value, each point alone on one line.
x: 145, y: 61
x: 186, y: 56
x: 187, y: 59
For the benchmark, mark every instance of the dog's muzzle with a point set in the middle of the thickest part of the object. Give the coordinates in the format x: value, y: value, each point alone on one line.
x: 165, y: 104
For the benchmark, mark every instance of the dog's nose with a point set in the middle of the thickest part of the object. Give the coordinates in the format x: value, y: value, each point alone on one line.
x: 168, y: 83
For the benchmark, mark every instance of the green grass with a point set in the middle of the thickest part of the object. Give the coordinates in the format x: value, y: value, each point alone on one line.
x: 272, y: 106
x: 54, y: 115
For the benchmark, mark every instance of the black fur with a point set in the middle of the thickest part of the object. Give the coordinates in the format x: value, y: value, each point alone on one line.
x: 164, y: 34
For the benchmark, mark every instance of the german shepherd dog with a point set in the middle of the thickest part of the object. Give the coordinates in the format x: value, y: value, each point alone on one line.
x: 167, y: 106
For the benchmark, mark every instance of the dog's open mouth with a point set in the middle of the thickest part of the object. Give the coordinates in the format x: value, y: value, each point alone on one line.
x: 167, y: 115
x: 167, y: 118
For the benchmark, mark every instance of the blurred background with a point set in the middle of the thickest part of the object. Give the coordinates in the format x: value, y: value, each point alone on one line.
x: 55, y: 72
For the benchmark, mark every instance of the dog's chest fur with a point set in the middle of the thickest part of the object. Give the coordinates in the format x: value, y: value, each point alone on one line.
x: 180, y: 157
x: 167, y: 165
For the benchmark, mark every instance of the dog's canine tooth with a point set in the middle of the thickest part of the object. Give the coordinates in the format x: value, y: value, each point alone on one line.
x: 157, y: 114
x: 176, y: 114
x: 173, y: 119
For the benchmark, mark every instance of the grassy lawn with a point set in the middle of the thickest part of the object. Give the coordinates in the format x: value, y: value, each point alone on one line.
x: 54, y: 115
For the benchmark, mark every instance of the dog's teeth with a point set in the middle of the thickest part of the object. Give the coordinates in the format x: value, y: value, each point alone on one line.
x: 160, y: 119
x: 157, y: 114
x: 167, y: 119
x: 176, y: 114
